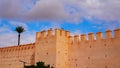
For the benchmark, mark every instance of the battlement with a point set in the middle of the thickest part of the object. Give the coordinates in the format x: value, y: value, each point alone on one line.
x: 62, y: 50
x: 93, y: 37
x: 18, y: 48
x: 78, y: 38
x: 51, y: 33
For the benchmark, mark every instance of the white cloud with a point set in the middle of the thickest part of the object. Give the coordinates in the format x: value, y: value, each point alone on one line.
x: 47, y: 10
x: 4, y: 28
x: 16, y: 23
x: 111, y: 26
x: 56, y: 10
x: 101, y: 9
x: 0, y: 21
x: 76, y: 32
x: 10, y: 39
x: 28, y: 37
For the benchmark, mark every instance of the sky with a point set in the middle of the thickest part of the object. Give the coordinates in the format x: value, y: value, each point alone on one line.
x: 77, y: 16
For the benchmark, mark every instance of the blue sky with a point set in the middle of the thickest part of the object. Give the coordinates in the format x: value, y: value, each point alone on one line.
x: 77, y: 16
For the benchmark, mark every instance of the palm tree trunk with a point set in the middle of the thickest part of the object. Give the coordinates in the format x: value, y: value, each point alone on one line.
x: 19, y: 39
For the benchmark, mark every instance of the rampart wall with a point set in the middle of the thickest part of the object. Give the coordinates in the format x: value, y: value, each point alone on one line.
x: 54, y: 47
x: 61, y: 50
x: 11, y: 56
x: 90, y: 51
x: 46, y: 47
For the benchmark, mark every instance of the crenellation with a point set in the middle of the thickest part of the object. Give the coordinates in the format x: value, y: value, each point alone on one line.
x: 76, y: 39
x: 50, y: 32
x: 43, y: 34
x: 61, y: 50
x: 18, y: 48
x: 67, y: 33
x: 38, y: 35
x: 91, y: 36
x: 99, y: 36
x: 70, y: 38
x: 117, y: 33
x: 83, y: 37
x: 57, y: 32
x: 108, y: 34
x: 62, y: 33
x: 11, y: 55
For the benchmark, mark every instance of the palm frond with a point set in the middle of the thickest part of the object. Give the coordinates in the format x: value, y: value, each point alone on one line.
x: 19, y: 29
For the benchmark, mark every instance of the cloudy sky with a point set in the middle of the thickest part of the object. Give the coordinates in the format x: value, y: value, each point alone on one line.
x: 77, y: 16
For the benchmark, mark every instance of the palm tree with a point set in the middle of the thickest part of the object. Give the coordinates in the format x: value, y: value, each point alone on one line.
x: 19, y: 30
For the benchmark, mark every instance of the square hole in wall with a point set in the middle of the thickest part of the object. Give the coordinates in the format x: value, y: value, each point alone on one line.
x: 47, y: 53
x: 88, y: 57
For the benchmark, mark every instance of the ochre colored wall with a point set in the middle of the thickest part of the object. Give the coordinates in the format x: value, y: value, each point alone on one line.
x: 61, y: 50
x: 10, y: 57
x: 46, y: 47
x: 95, y: 53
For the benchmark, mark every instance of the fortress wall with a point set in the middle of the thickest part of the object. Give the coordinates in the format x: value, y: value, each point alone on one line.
x: 52, y: 47
x: 62, y: 49
x: 93, y: 53
x: 46, y: 47
x: 11, y: 56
